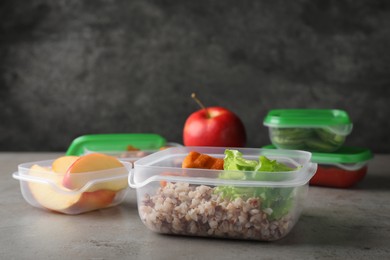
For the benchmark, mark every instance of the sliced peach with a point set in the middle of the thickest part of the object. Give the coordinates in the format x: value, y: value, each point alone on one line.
x: 95, y: 200
x: 62, y: 164
x: 49, y: 197
x: 94, y: 162
x: 45, y: 173
x: 94, y: 167
x: 45, y: 194
x: 39, y: 170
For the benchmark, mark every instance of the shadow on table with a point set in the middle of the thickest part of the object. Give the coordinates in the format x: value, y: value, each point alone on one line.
x: 374, y: 182
x: 330, y: 230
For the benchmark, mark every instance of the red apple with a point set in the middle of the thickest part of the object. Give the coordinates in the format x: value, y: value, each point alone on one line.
x: 214, y: 126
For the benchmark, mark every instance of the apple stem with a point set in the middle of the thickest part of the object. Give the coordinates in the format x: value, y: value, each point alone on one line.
x: 194, y: 97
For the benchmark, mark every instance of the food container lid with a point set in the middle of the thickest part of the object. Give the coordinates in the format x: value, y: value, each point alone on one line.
x: 166, y: 166
x: 307, y: 118
x: 115, y: 143
x: 345, y: 154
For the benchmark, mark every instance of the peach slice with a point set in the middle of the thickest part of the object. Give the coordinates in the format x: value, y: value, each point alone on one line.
x: 51, y: 198
x: 94, y: 167
x: 45, y: 173
x: 46, y: 195
x: 62, y: 164
x: 94, y: 200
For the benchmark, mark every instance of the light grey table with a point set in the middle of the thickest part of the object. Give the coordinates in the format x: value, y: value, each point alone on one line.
x: 336, y: 224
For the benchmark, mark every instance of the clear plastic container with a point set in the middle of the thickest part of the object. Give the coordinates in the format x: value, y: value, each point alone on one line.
x: 316, y: 130
x: 42, y: 188
x: 343, y: 168
x: 196, y: 202
x: 128, y: 147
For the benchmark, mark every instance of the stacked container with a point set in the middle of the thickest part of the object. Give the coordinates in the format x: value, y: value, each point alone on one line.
x: 322, y: 132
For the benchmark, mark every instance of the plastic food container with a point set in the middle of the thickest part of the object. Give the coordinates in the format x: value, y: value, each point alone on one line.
x: 317, y: 130
x: 196, y: 202
x: 129, y: 147
x: 341, y: 169
x: 42, y: 188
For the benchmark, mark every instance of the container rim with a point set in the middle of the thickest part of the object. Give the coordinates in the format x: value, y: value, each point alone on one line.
x: 345, y: 155
x: 308, y: 168
x: 19, y: 175
x: 132, y: 154
x: 26, y: 166
x: 61, y: 189
x: 311, y: 169
x: 184, y: 150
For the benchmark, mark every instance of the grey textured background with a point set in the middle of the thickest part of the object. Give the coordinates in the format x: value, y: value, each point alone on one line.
x: 69, y: 68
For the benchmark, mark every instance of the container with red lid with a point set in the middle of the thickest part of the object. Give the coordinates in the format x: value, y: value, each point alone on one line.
x: 340, y: 169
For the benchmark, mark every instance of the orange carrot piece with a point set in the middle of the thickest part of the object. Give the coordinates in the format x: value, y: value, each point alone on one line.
x: 202, y: 161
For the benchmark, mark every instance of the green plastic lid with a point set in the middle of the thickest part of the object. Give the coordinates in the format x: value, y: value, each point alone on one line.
x: 306, y: 117
x: 345, y: 154
x: 114, y: 142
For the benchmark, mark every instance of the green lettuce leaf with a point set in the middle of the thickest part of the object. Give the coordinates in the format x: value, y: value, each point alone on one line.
x: 280, y: 200
x: 233, y: 161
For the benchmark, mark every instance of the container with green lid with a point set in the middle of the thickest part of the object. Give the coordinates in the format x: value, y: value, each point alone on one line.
x: 342, y: 168
x: 127, y: 146
x: 316, y: 130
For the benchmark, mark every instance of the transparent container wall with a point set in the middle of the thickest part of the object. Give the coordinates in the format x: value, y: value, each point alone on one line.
x: 46, y: 196
x: 169, y: 162
x: 310, y: 139
x: 129, y: 156
x: 202, y: 210
x: 201, y: 202
x: 43, y: 188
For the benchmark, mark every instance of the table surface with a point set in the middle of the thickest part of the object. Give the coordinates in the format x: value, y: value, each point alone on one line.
x: 335, y: 223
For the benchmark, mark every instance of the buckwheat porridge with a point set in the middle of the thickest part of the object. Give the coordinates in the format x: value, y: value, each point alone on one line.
x: 199, y: 210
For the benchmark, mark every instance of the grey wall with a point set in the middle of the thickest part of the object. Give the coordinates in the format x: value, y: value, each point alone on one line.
x: 75, y: 67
